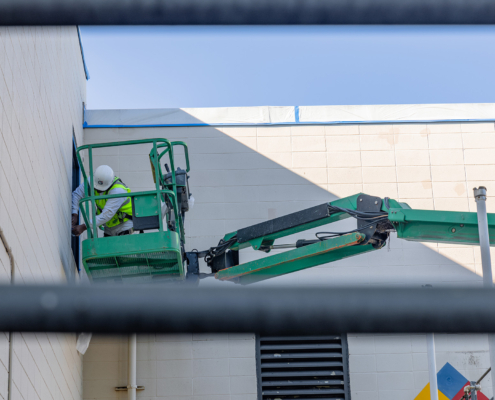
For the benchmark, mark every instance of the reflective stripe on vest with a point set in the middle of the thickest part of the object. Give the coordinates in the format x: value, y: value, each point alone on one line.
x: 123, y: 212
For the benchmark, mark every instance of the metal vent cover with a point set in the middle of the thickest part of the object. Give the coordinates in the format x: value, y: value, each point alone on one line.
x: 303, y: 367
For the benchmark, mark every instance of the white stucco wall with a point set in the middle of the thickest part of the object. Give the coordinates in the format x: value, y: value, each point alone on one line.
x: 241, y: 175
x: 42, y: 89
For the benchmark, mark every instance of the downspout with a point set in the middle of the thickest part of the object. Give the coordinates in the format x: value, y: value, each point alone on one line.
x: 132, y: 361
x: 432, y: 365
x: 486, y: 263
x: 11, y: 334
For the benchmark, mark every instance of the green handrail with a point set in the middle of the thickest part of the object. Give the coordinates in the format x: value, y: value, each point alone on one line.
x: 164, y: 142
x: 132, y: 194
x: 186, y: 152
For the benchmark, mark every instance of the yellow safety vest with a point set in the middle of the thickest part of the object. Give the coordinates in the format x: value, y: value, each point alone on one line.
x: 125, y: 211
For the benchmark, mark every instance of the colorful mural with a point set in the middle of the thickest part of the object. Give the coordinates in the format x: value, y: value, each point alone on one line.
x: 451, y: 385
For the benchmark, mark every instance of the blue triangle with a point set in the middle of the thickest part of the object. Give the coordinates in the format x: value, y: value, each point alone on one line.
x: 450, y: 381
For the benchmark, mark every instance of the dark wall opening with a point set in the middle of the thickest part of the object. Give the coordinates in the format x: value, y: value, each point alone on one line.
x: 76, y: 174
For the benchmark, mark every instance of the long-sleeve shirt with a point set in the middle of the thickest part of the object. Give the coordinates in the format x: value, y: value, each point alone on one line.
x: 110, y: 209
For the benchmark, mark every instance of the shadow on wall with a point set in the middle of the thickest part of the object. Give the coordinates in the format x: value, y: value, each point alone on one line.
x: 244, y: 175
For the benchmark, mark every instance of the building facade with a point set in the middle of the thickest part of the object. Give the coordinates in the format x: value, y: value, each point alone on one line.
x: 42, y: 92
x: 249, y: 165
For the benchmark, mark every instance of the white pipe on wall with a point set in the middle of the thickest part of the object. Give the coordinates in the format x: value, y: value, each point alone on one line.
x: 132, y: 360
x: 432, y: 365
x: 486, y: 262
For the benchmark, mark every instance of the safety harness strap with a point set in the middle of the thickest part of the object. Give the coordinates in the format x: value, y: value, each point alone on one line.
x: 120, y: 214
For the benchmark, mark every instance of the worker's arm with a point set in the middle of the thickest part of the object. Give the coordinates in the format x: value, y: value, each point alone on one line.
x: 110, y: 209
x: 77, y: 195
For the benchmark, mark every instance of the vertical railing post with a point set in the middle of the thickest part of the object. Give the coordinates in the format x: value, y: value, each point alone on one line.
x: 178, y: 224
x: 94, y: 228
x: 486, y: 263
x: 156, y: 165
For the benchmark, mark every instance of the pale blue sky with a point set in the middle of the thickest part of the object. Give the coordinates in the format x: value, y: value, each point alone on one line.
x: 160, y: 67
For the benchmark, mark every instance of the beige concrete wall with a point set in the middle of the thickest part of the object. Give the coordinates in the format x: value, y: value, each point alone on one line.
x: 42, y: 89
x: 244, y: 175
x: 184, y: 367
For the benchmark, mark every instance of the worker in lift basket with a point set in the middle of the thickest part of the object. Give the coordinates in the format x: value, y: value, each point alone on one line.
x: 115, y: 214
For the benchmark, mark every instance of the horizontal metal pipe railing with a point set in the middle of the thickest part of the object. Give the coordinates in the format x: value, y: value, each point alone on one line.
x: 90, y: 199
x: 131, y: 194
x: 268, y: 311
x: 177, y: 143
x: 163, y: 141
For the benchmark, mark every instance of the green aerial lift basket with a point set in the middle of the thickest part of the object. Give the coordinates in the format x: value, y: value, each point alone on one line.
x: 138, y: 258
x: 134, y: 258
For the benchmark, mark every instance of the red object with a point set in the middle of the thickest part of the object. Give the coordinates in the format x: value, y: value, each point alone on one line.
x: 460, y: 393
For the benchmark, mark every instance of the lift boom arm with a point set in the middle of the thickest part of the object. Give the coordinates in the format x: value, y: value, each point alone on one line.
x: 385, y: 215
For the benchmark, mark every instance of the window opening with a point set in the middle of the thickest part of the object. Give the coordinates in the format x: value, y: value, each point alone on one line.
x: 76, y: 174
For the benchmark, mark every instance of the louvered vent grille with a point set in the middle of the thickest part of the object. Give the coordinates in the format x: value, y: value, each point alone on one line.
x: 303, y: 368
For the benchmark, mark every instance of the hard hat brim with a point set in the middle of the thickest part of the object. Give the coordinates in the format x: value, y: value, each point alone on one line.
x: 101, y: 187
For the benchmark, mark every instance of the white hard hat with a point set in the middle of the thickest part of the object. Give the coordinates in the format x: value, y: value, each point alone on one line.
x: 103, y: 177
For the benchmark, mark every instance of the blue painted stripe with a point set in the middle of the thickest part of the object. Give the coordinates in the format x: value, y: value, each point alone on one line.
x: 296, y: 113
x: 86, y: 125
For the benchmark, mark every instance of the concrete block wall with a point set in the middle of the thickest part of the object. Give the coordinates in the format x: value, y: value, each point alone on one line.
x: 42, y: 90
x: 395, y: 367
x: 248, y: 174
x: 244, y: 175
x: 174, y: 367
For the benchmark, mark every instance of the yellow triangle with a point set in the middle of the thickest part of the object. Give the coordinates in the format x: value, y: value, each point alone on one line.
x: 425, y: 394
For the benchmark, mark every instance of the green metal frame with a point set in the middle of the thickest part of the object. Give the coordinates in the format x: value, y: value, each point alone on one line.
x: 167, y: 148
x: 144, y: 251
x: 439, y: 226
x: 155, y: 158
x: 413, y: 225
x: 296, y: 260
x: 349, y: 202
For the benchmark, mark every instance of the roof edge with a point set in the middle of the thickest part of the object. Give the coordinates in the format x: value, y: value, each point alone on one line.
x: 290, y: 115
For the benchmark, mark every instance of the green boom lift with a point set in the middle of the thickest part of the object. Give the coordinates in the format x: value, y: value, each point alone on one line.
x: 156, y: 255
x: 160, y: 255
